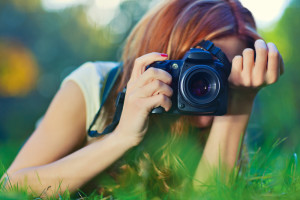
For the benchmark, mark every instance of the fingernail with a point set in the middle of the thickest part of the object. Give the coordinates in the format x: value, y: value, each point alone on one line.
x: 260, y: 41
x: 164, y: 55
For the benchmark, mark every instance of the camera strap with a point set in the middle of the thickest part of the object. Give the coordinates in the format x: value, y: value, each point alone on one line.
x: 218, y: 53
x: 110, y: 81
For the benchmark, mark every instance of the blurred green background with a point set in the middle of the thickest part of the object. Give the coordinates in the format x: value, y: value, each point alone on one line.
x: 39, y: 47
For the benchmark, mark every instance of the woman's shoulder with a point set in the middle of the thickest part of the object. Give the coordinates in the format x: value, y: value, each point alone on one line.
x: 90, y: 78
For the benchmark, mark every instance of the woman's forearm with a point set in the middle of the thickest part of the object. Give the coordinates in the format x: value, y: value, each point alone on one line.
x: 222, y: 148
x: 74, y: 170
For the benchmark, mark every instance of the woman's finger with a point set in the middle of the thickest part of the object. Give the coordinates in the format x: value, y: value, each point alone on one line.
x: 260, y: 63
x: 153, y: 74
x: 158, y: 100
x: 237, y: 67
x: 141, y: 63
x: 248, y: 65
x: 273, y: 69
x: 154, y: 88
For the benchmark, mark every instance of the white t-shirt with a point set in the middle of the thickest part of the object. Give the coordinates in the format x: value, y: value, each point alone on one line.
x: 91, y: 77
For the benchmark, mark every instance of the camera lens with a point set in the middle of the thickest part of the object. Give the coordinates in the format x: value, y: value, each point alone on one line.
x: 200, y: 85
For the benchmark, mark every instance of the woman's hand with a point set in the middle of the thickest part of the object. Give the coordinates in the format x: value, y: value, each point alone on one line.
x: 250, y: 74
x: 146, y: 90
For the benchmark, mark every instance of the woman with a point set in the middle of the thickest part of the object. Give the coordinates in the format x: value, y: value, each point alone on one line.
x: 60, y: 155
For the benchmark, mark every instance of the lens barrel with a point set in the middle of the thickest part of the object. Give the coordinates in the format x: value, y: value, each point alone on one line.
x: 200, y: 85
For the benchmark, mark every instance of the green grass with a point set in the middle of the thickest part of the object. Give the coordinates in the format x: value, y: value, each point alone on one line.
x: 270, y: 174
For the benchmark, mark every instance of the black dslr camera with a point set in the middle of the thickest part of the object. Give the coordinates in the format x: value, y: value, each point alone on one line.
x: 199, y: 81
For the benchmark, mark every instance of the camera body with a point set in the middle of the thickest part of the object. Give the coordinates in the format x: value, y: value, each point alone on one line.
x: 199, y: 83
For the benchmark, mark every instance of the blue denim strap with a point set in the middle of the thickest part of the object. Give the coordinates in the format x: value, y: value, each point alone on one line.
x: 111, y: 79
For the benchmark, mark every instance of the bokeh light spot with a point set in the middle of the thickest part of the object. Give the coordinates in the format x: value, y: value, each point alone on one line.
x: 18, y: 69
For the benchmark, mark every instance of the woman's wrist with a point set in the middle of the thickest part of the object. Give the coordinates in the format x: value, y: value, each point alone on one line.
x: 124, y: 141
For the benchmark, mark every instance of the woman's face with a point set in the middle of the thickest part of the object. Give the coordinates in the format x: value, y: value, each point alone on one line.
x: 231, y: 46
